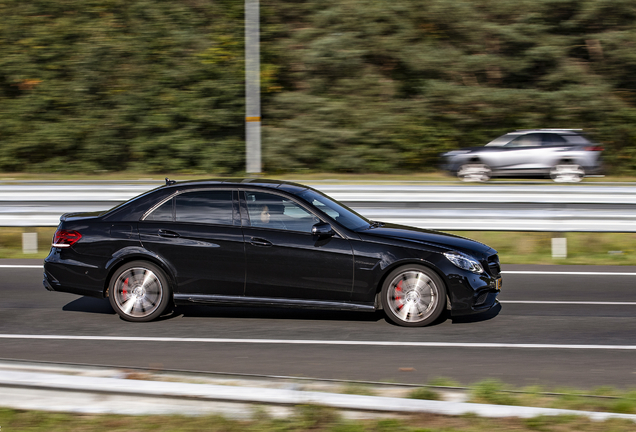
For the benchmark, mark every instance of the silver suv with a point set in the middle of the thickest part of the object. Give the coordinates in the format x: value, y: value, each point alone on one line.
x: 565, y: 155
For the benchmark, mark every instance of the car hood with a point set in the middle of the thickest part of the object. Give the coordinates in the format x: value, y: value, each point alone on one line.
x: 437, y: 239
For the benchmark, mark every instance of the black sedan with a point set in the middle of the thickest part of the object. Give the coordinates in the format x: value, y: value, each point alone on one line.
x: 265, y: 243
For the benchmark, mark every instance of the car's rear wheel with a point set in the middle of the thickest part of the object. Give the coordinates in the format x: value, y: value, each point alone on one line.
x: 567, y: 173
x: 413, y: 296
x: 139, y: 291
x: 474, y: 172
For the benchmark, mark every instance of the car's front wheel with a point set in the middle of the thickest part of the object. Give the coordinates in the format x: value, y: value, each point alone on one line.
x: 139, y: 291
x: 413, y: 296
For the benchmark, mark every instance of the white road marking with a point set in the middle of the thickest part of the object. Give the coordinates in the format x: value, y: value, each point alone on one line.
x: 567, y: 302
x: 317, y: 342
x: 21, y: 266
x: 567, y: 273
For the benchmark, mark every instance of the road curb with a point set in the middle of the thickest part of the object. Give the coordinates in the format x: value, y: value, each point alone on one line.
x: 81, y: 394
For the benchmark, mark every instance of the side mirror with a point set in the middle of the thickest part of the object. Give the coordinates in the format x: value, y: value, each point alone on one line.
x: 322, y: 229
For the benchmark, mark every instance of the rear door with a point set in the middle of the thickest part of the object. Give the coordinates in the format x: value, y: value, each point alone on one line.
x: 555, y: 149
x: 198, y: 234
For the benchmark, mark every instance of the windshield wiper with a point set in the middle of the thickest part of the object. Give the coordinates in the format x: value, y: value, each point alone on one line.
x: 375, y: 224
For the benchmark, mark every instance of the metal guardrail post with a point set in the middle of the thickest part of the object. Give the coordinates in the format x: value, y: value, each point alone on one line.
x: 30, y: 243
x: 559, y: 247
x: 252, y: 88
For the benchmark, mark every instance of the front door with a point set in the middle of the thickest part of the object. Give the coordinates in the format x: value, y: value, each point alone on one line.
x: 520, y: 154
x: 284, y: 259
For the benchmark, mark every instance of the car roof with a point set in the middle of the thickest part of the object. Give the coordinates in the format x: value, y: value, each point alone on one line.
x: 137, y: 205
x: 559, y: 131
x: 265, y: 183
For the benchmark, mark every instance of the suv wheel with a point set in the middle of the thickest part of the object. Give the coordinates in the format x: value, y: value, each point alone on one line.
x: 474, y: 172
x: 567, y: 173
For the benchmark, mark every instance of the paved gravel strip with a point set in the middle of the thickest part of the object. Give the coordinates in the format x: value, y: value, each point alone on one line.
x: 15, y: 385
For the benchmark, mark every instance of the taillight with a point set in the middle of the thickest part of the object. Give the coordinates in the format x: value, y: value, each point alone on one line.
x: 65, y: 238
x: 594, y: 148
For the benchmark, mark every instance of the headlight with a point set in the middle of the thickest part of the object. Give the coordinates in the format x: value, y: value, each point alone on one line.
x: 464, y: 262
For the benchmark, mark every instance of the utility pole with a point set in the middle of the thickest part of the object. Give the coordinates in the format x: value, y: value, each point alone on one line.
x: 252, y: 88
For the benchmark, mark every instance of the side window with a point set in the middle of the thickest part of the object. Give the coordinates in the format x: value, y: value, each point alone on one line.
x: 576, y: 139
x: 163, y: 213
x: 529, y: 140
x: 553, y: 139
x: 207, y: 207
x: 277, y: 212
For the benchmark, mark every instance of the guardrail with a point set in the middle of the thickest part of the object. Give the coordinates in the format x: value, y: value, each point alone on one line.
x: 492, y: 207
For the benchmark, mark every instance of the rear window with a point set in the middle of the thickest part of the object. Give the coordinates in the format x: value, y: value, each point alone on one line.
x: 208, y: 207
x: 576, y: 139
x: 162, y: 213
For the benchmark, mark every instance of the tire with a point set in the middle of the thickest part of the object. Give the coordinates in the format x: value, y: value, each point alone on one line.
x: 413, y: 296
x: 474, y: 172
x: 139, y: 291
x: 567, y: 173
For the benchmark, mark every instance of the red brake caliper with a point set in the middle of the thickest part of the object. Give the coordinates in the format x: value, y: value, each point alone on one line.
x: 124, y: 291
x: 398, y: 289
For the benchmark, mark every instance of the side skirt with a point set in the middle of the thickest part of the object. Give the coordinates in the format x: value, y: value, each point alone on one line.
x: 271, y: 301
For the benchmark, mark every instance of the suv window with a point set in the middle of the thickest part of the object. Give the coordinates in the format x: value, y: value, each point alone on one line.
x: 576, y: 139
x: 553, y: 139
x: 529, y: 140
x: 208, y: 207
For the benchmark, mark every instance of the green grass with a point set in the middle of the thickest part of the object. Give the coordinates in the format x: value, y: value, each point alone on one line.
x: 536, y: 247
x: 324, y: 419
x: 358, y: 389
x: 602, y: 399
x: 11, y: 242
x: 306, y: 418
x: 424, y: 393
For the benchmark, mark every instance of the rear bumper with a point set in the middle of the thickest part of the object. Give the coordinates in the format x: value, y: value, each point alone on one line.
x: 49, y: 281
x: 72, y: 276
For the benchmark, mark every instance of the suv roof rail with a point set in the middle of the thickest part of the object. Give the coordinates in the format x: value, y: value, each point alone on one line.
x: 547, y: 129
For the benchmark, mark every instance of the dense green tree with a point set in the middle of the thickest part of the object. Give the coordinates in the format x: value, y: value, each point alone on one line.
x: 347, y: 85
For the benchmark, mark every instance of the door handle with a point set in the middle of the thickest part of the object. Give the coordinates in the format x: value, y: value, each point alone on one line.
x: 260, y: 242
x: 168, y: 233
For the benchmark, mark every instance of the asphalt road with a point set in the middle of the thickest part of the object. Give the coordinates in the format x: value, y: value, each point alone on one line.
x: 584, y: 337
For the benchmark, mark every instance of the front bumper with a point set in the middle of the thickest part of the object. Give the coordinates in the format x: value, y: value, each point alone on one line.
x: 474, y: 298
x: 472, y: 293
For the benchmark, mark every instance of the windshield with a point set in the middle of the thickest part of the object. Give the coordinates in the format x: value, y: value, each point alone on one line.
x: 339, y: 212
x: 501, y: 141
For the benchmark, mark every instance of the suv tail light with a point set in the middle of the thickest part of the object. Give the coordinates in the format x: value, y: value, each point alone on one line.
x: 65, y: 238
x: 594, y: 148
